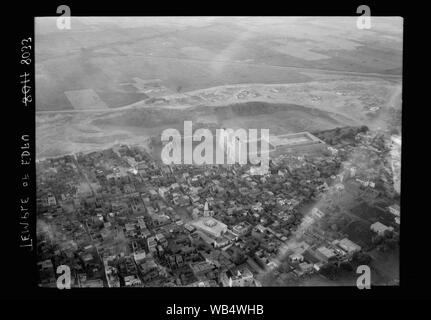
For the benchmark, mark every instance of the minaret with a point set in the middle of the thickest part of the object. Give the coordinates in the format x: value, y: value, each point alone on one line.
x: 206, y: 210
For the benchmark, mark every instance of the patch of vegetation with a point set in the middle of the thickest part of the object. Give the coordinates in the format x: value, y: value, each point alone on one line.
x: 340, y: 135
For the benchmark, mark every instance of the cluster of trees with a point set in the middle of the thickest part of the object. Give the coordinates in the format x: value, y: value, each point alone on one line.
x: 335, y: 136
x: 387, y: 241
x: 333, y: 270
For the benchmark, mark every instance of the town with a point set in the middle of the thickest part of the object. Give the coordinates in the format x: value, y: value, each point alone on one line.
x: 119, y: 218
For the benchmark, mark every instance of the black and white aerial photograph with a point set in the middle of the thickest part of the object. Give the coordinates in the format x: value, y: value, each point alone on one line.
x: 218, y: 151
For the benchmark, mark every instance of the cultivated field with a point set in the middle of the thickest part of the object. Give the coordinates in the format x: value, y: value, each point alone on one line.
x: 103, y: 54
